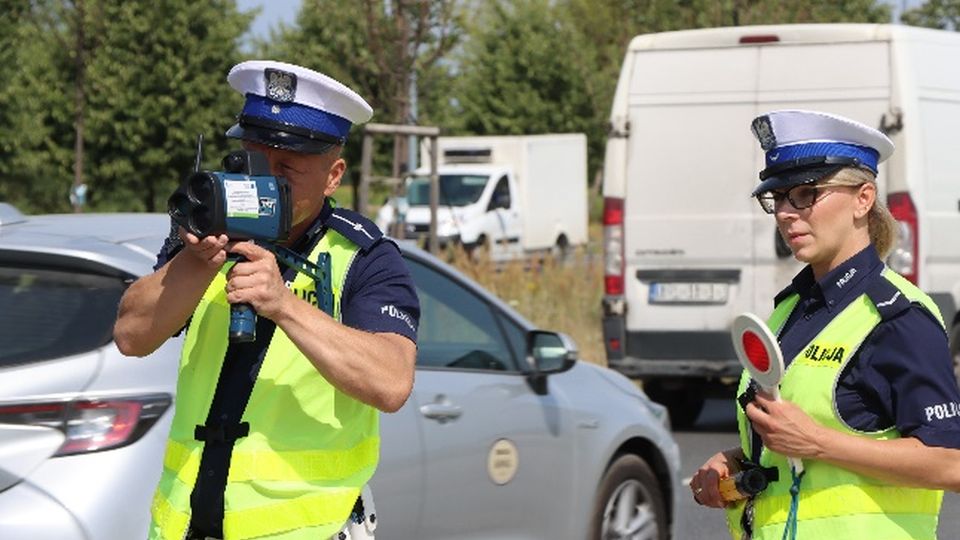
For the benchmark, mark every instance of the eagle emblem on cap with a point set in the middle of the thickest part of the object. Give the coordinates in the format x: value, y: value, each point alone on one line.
x: 763, y: 130
x: 281, y: 85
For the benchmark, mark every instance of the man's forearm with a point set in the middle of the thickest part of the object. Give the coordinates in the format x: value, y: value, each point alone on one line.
x: 375, y: 368
x: 158, y: 305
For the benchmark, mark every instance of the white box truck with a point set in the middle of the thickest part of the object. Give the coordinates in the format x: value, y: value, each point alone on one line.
x: 512, y: 194
x: 687, y: 249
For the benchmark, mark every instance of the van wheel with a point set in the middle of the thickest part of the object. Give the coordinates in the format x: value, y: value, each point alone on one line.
x: 561, y: 250
x: 479, y: 250
x: 684, y: 400
x: 955, y: 349
x: 629, y: 503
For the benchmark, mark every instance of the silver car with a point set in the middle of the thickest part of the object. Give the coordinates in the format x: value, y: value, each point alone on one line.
x: 506, y: 435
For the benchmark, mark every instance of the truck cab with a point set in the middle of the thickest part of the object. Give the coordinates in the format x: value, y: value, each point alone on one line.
x: 478, y: 206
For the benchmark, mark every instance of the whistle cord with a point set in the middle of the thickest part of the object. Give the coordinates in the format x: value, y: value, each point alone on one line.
x: 790, y: 528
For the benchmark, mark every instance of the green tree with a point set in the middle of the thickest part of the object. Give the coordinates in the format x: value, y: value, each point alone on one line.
x: 526, y: 69
x: 940, y: 14
x: 36, y: 106
x: 376, y: 47
x: 532, y: 66
x: 158, y: 81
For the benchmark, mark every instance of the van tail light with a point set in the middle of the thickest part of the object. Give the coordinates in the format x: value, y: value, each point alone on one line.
x: 91, y: 425
x: 904, y: 258
x: 613, y: 246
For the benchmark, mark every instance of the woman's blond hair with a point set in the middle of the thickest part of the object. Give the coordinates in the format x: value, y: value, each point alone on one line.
x: 880, y: 223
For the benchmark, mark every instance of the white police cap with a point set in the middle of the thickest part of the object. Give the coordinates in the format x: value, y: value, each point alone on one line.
x: 295, y: 108
x: 804, y: 146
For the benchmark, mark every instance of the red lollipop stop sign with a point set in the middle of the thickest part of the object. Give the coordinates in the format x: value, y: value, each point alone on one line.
x: 760, y: 355
x: 758, y: 352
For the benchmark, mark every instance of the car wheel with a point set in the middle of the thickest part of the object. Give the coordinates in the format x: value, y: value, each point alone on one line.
x: 629, y: 503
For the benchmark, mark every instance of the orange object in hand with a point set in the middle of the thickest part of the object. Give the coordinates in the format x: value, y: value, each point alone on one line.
x: 743, y: 484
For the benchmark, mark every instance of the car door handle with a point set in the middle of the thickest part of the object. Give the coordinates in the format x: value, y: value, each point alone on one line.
x: 441, y: 412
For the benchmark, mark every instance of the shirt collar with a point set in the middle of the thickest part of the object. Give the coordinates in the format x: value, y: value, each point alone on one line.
x: 316, y: 228
x: 834, y: 286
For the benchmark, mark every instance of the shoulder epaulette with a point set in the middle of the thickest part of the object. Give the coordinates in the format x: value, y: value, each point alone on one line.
x: 888, y: 298
x: 355, y: 227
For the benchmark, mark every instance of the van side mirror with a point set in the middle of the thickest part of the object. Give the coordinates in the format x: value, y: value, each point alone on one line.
x: 548, y: 353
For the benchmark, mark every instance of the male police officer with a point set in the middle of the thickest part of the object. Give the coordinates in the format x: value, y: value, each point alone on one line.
x: 276, y: 438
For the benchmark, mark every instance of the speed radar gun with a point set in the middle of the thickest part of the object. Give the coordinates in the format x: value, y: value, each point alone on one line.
x: 245, y: 202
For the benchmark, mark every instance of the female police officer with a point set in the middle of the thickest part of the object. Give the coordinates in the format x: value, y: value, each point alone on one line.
x: 869, y: 399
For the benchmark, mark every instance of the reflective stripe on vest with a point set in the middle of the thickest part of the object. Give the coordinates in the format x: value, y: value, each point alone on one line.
x: 834, y: 500
x: 310, y: 448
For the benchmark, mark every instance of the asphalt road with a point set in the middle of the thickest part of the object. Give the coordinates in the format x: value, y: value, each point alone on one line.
x: 716, y: 429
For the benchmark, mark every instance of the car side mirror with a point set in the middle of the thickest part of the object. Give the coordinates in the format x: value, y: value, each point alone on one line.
x: 548, y: 353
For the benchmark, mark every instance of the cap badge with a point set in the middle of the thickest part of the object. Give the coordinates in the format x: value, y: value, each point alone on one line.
x: 281, y: 85
x: 764, y: 132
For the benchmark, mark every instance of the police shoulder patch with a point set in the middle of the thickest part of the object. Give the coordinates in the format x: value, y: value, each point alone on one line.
x: 887, y: 298
x: 355, y: 227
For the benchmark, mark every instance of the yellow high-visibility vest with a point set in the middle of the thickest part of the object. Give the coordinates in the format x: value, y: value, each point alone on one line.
x: 835, y: 502
x: 310, y: 448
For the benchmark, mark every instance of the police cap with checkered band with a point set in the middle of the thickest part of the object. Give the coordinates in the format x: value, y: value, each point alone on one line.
x: 804, y: 146
x: 294, y: 108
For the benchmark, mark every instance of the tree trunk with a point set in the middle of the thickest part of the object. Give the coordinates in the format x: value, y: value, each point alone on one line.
x: 79, y: 102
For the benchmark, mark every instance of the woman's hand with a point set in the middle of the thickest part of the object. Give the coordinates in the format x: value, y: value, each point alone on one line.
x: 785, y: 428
x: 705, y: 484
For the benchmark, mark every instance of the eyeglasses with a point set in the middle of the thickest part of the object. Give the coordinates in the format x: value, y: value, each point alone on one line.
x: 801, y: 197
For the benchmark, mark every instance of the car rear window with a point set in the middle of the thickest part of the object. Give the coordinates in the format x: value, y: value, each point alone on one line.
x: 48, y: 313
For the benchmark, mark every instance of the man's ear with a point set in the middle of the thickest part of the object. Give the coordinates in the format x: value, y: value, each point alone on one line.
x: 334, y: 176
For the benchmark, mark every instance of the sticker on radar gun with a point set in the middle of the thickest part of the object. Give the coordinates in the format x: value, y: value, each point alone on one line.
x: 503, y: 461
x: 758, y: 351
x: 241, y: 198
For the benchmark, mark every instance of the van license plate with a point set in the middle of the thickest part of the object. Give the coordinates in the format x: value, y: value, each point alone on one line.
x: 688, y: 293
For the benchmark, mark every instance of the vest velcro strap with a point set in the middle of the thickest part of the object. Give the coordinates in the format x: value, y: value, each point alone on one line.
x: 844, y: 500
x: 221, y: 432
x: 309, y: 465
x: 326, y: 507
x: 172, y: 522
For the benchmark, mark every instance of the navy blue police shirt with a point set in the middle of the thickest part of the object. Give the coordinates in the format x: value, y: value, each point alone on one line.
x: 378, y: 296
x: 902, y: 375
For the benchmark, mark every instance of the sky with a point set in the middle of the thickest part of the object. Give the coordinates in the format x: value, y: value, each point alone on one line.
x: 272, y: 12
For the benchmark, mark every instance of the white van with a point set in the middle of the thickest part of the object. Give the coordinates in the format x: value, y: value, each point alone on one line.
x: 686, y: 247
x: 514, y: 194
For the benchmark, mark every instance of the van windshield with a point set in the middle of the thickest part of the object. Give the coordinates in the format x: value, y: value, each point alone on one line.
x: 455, y: 189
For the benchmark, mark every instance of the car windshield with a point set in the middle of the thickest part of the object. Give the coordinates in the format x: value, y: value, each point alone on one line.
x: 455, y: 189
x: 48, y: 313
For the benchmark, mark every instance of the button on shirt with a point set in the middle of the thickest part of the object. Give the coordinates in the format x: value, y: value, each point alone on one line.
x: 376, y: 278
x: 901, y: 376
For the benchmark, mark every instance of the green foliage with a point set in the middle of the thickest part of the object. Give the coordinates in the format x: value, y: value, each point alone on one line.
x: 159, y: 81
x: 35, y: 116
x: 374, y: 47
x: 527, y: 70
x: 940, y: 14
x: 153, y: 77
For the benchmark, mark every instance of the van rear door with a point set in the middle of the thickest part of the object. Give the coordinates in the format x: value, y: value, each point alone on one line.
x: 850, y: 79
x: 688, y: 216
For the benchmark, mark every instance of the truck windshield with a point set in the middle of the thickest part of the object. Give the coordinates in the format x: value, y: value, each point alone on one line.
x: 455, y: 189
